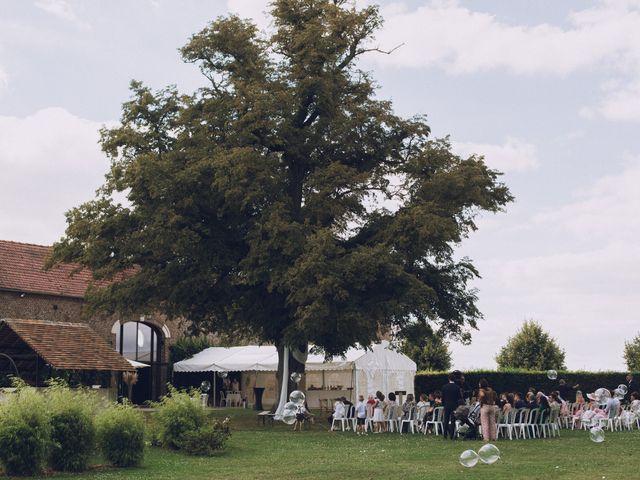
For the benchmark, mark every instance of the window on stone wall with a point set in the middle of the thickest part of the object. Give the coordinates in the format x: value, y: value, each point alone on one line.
x: 139, y: 342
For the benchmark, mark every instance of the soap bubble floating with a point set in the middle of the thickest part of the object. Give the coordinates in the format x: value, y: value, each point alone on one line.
x: 205, y: 386
x: 289, y: 413
x: 297, y: 397
x: 469, y: 458
x: 596, y: 434
x: 552, y: 374
x: 489, y: 454
x: 295, y: 377
x: 623, y: 388
x: 223, y: 374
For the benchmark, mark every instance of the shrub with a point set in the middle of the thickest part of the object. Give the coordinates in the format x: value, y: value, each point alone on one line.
x: 24, y: 433
x: 73, y: 432
x: 179, y: 413
x: 184, y: 425
x: 120, y: 433
x: 207, y: 439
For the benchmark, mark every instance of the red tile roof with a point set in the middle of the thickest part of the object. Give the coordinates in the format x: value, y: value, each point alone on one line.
x: 65, y: 346
x: 21, y: 270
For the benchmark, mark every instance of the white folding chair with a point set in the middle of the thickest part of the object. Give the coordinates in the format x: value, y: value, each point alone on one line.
x: 410, y: 421
x: 436, y: 421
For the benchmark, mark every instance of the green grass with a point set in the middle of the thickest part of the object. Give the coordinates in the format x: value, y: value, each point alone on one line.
x: 256, y: 452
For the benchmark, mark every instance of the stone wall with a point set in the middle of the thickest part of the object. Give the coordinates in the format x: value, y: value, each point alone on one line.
x: 70, y: 309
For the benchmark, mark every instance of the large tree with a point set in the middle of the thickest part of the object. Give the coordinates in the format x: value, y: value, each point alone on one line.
x: 283, y: 201
x: 632, y: 353
x: 531, y: 348
x: 428, y: 348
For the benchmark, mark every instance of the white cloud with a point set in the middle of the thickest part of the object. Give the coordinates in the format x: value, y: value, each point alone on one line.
x: 4, y: 79
x: 447, y: 35
x: 50, y: 162
x: 444, y: 34
x: 63, y: 10
x: 583, y: 288
x: 514, y: 155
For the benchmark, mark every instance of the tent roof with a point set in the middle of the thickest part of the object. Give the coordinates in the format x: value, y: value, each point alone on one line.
x: 265, y: 358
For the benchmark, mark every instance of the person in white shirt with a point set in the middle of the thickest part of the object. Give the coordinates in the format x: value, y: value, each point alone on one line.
x: 361, y: 415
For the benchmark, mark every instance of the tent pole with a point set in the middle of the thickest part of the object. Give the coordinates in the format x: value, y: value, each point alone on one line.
x: 355, y: 374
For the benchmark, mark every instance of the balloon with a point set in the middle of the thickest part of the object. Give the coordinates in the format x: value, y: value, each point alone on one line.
x: 623, y: 388
x: 295, y: 377
x: 552, y: 374
x: 489, y: 453
x: 289, y: 413
x: 289, y: 417
x: 602, y: 395
x: 205, y: 386
x: 297, y: 397
x: 468, y: 458
x: 223, y: 374
x: 596, y: 434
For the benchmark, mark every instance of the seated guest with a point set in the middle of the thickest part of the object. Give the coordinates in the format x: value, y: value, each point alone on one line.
x: 408, y: 404
x: 531, y: 401
x: 518, y: 402
x: 421, y: 408
x: 502, y: 400
x: 338, y: 411
x: 542, y: 401
x: 508, y: 403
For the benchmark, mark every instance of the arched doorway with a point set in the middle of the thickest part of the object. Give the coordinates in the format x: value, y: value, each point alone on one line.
x: 143, y: 343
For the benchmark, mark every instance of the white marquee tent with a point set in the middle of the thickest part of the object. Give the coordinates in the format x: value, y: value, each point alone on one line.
x: 359, y: 371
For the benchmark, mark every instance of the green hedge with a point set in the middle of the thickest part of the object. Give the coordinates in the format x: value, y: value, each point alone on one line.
x: 520, y: 380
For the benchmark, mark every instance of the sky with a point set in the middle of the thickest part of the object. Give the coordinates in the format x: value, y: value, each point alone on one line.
x: 547, y: 91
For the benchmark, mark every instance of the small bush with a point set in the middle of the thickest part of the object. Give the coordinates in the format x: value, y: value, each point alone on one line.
x: 206, y: 440
x: 24, y: 433
x: 73, y: 432
x: 179, y: 414
x: 120, y: 433
x: 184, y: 425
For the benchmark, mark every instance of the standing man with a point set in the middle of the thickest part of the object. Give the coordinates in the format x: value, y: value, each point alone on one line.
x: 566, y: 392
x: 632, y: 385
x: 451, y: 399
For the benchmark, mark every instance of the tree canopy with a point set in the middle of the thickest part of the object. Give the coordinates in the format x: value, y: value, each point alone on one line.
x: 283, y: 201
x: 428, y: 348
x: 531, y: 348
x: 632, y: 353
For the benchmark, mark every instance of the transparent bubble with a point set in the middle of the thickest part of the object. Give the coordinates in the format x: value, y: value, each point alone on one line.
x: 469, y: 458
x: 223, y: 374
x: 295, y: 377
x: 489, y: 453
x: 297, y: 397
x: 205, y: 386
x: 623, y: 388
x: 289, y: 417
x: 619, y: 394
x: 289, y: 413
x: 552, y: 374
x: 602, y: 395
x: 596, y: 434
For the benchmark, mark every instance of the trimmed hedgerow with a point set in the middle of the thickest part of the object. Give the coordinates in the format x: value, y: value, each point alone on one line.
x: 120, y: 434
x: 24, y: 433
x: 521, y: 380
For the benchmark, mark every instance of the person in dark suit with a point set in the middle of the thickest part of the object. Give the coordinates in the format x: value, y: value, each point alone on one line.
x: 451, y: 399
x: 632, y: 385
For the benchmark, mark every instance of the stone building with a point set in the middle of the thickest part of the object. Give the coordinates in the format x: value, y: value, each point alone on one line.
x: 27, y: 291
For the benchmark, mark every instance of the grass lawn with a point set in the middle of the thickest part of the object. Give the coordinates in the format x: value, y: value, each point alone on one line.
x: 256, y: 452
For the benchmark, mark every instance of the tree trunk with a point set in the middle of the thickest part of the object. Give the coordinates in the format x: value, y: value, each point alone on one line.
x: 294, y: 365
